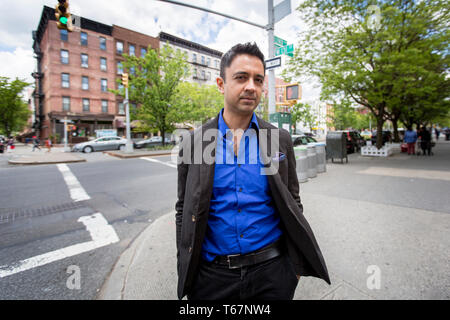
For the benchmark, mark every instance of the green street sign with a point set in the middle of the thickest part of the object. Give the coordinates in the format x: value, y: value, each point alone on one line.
x: 290, y: 48
x: 279, y: 42
x: 287, y: 50
x: 63, y: 20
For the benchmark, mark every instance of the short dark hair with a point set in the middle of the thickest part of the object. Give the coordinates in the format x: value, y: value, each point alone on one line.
x: 241, y: 48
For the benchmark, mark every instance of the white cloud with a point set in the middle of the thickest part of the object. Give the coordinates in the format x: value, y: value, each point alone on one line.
x: 19, y: 18
x: 19, y: 63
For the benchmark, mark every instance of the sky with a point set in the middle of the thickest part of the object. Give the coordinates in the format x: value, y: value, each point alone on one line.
x: 20, y: 17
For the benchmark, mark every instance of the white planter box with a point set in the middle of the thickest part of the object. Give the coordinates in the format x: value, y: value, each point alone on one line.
x: 372, y: 151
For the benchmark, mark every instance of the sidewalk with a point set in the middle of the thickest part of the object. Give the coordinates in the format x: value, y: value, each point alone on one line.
x: 407, y: 244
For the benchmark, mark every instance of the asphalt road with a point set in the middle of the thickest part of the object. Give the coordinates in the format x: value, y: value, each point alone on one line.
x: 392, y: 213
x: 43, y: 219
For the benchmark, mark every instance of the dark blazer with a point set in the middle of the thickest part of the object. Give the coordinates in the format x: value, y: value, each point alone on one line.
x: 195, y: 185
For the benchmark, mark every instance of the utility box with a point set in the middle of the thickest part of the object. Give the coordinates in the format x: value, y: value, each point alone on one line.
x: 336, y: 146
x: 281, y: 120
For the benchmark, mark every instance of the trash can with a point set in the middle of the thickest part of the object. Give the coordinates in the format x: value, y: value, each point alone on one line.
x: 321, y: 157
x: 301, y: 157
x: 336, y: 146
x: 312, y: 160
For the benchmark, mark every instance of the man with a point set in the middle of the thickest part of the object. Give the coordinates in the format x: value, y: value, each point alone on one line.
x: 240, y: 229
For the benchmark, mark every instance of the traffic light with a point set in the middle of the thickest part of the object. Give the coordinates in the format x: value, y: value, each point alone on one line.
x: 292, y: 92
x: 125, y: 79
x: 63, y: 17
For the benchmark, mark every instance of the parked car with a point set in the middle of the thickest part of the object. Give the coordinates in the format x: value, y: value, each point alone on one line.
x: 302, y: 139
x: 366, y: 134
x: 153, y: 141
x: 101, y: 144
x: 386, y: 135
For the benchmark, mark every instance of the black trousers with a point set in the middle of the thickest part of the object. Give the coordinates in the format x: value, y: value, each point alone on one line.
x: 274, y: 279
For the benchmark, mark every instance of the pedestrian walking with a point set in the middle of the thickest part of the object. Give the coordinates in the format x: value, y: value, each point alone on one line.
x: 48, y: 144
x: 425, y: 143
x: 240, y: 228
x: 437, y: 133
x: 410, y: 139
x: 36, y: 143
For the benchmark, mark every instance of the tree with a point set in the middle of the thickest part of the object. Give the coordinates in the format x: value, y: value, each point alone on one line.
x: 302, y: 112
x: 153, y: 81
x: 373, y: 52
x: 14, y: 112
x: 193, y: 102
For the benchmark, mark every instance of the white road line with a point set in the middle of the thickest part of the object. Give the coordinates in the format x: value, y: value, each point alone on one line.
x: 101, y: 232
x: 77, y: 193
x: 169, y: 164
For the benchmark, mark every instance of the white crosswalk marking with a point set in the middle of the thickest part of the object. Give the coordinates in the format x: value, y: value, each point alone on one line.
x: 169, y: 164
x: 77, y: 193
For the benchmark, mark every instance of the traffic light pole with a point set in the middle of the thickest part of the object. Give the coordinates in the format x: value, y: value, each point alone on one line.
x: 129, y: 145
x: 270, y: 28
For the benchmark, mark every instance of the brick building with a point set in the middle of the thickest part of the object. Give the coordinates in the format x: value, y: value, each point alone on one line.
x: 75, y: 71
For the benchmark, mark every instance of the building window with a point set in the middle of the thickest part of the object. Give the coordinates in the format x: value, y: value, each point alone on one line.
x: 121, y: 108
x: 84, y: 60
x: 119, y: 67
x: 217, y: 64
x: 203, y: 60
x: 104, y: 85
x: 102, y: 43
x: 194, y: 57
x: 132, y: 50
x: 64, y: 34
x: 143, y: 52
x: 194, y: 74
x: 83, y: 38
x: 64, y: 56
x: 85, y: 83
x: 65, y: 80
x: 105, y: 106
x: 203, y: 74
x: 86, y: 104
x: 209, y: 76
x: 66, y: 103
x: 103, y: 64
x: 119, y: 47
x: 208, y: 61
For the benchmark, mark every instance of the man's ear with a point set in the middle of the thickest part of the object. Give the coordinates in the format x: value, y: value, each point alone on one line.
x: 220, y: 85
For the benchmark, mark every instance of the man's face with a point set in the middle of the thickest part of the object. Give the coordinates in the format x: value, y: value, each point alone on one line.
x: 243, y: 85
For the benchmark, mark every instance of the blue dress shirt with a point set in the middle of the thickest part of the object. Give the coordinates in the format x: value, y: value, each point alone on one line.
x: 242, y: 216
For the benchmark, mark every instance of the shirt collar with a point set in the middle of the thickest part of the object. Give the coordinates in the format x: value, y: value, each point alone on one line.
x: 223, y: 126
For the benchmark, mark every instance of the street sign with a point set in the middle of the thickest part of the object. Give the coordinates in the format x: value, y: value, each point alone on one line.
x: 278, y: 42
x: 281, y: 10
x: 273, y: 63
x: 287, y: 50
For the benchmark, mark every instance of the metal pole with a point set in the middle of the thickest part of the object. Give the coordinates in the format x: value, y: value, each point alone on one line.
x: 129, y: 145
x: 270, y: 29
x: 65, y: 135
x: 215, y: 12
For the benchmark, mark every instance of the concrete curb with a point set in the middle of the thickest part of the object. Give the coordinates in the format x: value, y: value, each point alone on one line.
x: 123, y: 155
x: 46, y: 159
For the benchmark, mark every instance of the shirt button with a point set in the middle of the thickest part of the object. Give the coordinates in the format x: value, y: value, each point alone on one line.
x: 242, y: 235
x: 239, y: 210
x: 190, y: 249
x: 240, y: 189
x: 193, y: 218
x: 239, y: 165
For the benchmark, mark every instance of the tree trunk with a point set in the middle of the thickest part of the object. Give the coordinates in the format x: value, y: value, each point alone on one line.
x: 380, y: 122
x: 396, y: 136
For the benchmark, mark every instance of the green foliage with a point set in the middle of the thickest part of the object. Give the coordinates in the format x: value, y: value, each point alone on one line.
x: 389, y: 56
x: 14, y: 112
x: 153, y: 81
x: 193, y: 102
x: 302, y: 112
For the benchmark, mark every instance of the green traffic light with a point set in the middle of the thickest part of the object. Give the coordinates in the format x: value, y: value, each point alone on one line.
x: 63, y: 20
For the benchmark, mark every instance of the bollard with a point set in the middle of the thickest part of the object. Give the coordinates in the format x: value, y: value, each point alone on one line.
x: 312, y: 160
x: 321, y: 157
x: 302, y: 163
